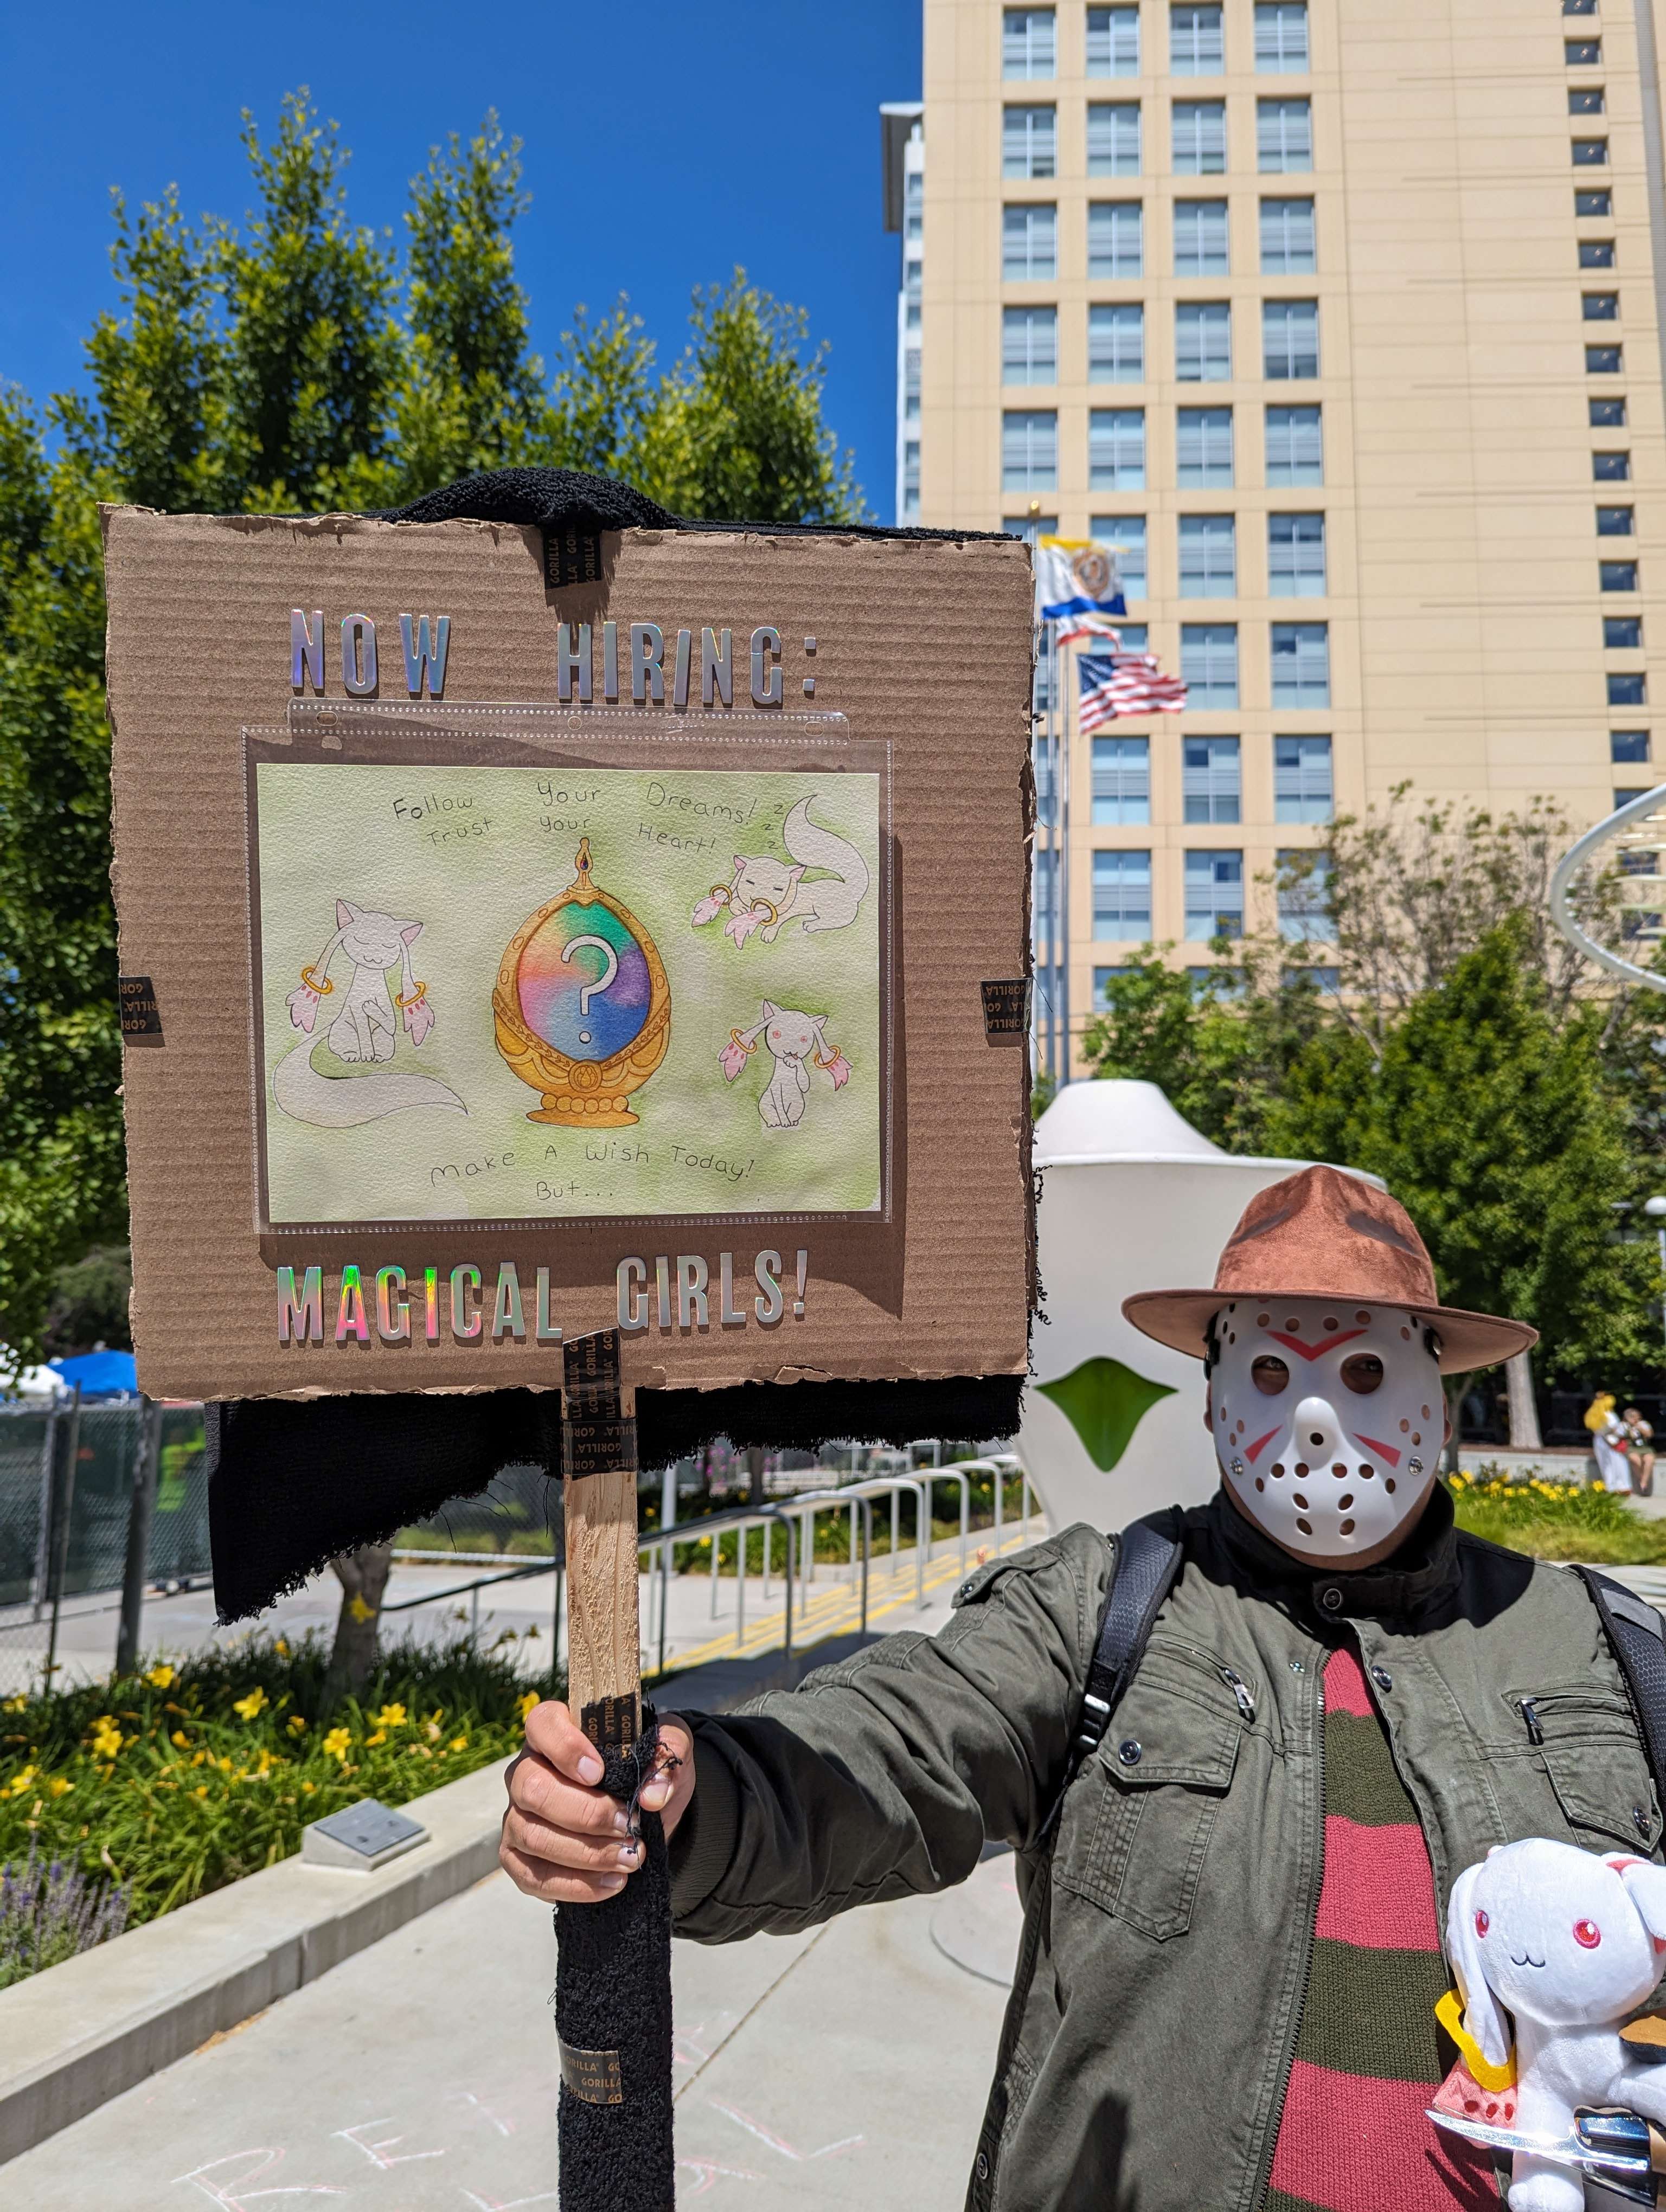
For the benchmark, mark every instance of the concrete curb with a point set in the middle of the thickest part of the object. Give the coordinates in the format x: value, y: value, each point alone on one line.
x: 80, y: 2033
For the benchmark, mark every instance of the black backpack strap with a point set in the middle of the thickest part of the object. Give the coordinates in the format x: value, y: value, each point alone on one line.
x: 1638, y: 1637
x: 1148, y: 1558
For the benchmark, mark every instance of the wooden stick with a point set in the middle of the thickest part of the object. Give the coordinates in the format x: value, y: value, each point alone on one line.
x: 604, y: 1651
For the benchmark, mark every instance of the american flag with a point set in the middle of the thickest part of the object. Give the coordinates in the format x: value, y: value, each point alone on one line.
x: 1128, y: 684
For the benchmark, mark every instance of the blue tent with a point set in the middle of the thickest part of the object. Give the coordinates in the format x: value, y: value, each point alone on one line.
x: 100, y: 1374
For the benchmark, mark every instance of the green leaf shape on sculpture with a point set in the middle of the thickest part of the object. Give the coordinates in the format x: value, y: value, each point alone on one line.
x: 1105, y: 1402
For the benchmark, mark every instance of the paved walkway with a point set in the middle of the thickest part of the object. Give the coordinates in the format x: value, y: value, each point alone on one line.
x: 847, y: 2066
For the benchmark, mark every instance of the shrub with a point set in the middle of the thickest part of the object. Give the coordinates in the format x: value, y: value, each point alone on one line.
x: 1556, y: 1520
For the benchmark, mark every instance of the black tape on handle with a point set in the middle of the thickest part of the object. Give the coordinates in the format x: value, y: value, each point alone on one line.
x: 613, y: 2020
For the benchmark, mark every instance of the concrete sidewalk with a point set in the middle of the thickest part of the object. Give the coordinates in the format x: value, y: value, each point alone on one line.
x: 847, y: 2066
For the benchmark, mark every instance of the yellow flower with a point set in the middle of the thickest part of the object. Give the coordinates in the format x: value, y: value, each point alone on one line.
x: 58, y: 1786
x: 20, y: 1782
x: 106, y: 1738
x: 160, y: 1678
x: 337, y: 1742
x: 308, y: 1787
x: 202, y: 1790
x: 281, y: 1647
x: 391, y: 1717
x: 524, y: 1703
x: 14, y: 1705
x: 255, y: 1703
x: 458, y: 1743
x: 295, y: 1725
x: 182, y: 1739
x: 370, y: 1741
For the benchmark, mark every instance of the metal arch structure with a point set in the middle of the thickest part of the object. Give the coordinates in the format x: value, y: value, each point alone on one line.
x: 1627, y: 829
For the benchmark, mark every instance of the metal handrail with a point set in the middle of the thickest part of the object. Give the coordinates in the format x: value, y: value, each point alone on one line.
x: 713, y: 1525
x: 855, y: 1493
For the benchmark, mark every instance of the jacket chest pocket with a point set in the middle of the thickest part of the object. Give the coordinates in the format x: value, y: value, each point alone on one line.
x: 1145, y: 1804
x: 1587, y: 1743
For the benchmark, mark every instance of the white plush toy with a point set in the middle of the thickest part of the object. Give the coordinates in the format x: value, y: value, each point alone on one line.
x: 1570, y: 1944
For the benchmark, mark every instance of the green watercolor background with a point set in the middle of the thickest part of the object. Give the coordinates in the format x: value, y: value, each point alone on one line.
x: 329, y: 830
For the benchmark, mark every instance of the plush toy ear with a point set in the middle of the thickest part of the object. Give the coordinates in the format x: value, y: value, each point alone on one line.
x: 1645, y: 1885
x: 768, y: 1009
x: 346, y: 912
x: 411, y: 932
x: 1483, y: 2018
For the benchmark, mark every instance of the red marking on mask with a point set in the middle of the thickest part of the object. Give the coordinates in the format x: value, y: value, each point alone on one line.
x: 1387, y: 1451
x: 1313, y: 1350
x: 1259, y: 1445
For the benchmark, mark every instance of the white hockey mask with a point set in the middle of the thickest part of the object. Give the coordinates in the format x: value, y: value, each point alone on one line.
x: 1327, y: 1420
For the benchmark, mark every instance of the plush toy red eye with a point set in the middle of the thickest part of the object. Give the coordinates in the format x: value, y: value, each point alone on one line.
x: 1482, y: 1923
x: 1587, y: 1932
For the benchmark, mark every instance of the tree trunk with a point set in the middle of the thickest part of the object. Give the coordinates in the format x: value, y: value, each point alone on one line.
x: 363, y: 1578
x: 754, y: 1457
x: 1523, y: 1406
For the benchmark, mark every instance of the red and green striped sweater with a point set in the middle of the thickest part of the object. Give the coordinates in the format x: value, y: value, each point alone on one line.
x: 1369, y: 2054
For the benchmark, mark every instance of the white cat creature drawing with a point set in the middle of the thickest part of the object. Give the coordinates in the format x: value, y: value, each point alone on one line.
x: 364, y: 1030
x: 766, y: 895
x: 797, y: 1042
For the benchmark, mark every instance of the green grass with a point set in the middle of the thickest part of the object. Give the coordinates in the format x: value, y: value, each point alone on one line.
x: 1557, y: 1520
x: 181, y: 1778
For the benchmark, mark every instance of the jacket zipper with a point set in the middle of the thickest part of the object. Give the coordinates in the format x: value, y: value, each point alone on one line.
x: 1241, y: 1690
x: 1287, y: 2059
x: 1535, y: 1733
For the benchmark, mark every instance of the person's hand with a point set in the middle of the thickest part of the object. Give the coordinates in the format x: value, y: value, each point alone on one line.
x: 564, y: 1839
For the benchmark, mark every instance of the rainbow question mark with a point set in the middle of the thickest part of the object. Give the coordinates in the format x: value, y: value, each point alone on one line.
x: 589, y: 990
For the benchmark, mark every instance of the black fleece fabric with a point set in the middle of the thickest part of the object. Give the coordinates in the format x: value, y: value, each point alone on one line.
x: 292, y: 1483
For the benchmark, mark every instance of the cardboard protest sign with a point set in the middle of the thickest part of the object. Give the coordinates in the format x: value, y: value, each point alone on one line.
x: 513, y: 960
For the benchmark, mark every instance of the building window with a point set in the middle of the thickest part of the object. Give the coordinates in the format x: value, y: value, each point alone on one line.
x: 1026, y: 42
x: 1196, y: 47
x: 1596, y: 253
x: 1593, y: 203
x: 1215, y: 895
x: 1043, y: 761
x: 1295, y: 446
x: 1122, y: 780
x: 1303, y: 896
x: 1302, y: 785
x: 1200, y: 238
x: 1199, y: 137
x: 1284, y: 136
x: 1116, y: 448
x: 1606, y: 414
x: 1622, y: 633
x: 1030, y: 450
x: 1280, y: 36
x: 1296, y: 556
x: 1288, y: 246
x: 1617, y: 575
x: 910, y: 478
x: 1116, y: 344
x: 1586, y: 99
x: 1610, y: 468
x: 1032, y: 528
x: 1113, y: 138
x: 1615, y: 522
x: 1301, y: 665
x: 1209, y: 664
x: 1627, y: 690
x: 1208, y: 556
x: 1629, y: 746
x: 1030, y: 243
x: 1582, y: 53
x: 1203, y: 447
x: 1126, y: 535
x: 1202, y: 341
x: 1603, y: 361
x: 1115, y: 238
x: 1029, y: 141
x: 1578, y: 7
x: 1290, y: 338
x: 1113, y: 42
x: 1210, y: 784
x: 1030, y: 345
x: 1600, y: 306
x: 1590, y: 152
x: 1103, y: 980
x: 1121, y: 896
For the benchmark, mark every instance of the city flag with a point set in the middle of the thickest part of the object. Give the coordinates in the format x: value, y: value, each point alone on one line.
x: 1076, y: 576
x: 1079, y: 629
x: 1129, y: 684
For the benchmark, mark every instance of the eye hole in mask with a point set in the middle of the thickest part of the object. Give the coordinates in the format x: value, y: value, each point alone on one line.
x: 1362, y: 1373
x: 1271, y: 1376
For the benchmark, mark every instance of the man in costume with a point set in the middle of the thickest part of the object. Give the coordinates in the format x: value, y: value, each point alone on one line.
x: 1231, y: 1953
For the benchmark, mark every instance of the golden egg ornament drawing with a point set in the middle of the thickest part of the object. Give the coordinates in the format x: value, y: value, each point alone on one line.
x: 582, y: 1005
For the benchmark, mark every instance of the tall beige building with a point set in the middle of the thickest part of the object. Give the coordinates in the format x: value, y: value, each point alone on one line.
x: 1342, y: 319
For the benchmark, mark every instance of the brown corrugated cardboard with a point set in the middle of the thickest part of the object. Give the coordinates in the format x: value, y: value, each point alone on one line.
x: 916, y: 693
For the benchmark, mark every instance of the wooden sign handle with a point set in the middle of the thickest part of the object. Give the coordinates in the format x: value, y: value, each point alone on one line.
x: 603, y: 1654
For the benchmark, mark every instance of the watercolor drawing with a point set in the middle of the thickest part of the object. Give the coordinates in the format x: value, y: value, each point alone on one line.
x: 798, y: 1042
x: 767, y: 895
x: 370, y: 946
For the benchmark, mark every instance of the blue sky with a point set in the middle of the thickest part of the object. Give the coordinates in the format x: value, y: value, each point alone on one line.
x: 663, y: 144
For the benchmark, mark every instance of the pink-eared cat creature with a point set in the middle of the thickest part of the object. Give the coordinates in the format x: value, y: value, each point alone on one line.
x: 798, y: 1042
x: 766, y: 894
x: 365, y: 1029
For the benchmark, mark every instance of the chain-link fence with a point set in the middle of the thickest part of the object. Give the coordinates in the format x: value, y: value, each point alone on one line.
x: 66, y: 1505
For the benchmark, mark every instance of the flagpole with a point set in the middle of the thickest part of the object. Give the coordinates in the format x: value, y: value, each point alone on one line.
x: 1062, y: 866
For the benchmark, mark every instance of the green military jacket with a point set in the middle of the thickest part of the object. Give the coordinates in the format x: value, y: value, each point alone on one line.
x: 1169, y: 1908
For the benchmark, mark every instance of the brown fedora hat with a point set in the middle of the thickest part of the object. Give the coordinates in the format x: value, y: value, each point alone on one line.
x: 1323, y: 1234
